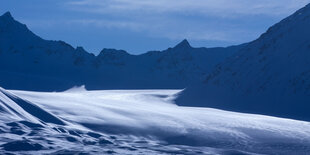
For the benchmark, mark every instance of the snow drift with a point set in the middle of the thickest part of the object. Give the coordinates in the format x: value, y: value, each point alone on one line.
x: 13, y: 106
x: 133, y: 121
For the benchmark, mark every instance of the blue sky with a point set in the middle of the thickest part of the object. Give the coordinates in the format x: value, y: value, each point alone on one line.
x: 142, y: 25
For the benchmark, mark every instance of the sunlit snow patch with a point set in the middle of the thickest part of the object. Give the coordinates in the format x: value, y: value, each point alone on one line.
x: 135, y: 121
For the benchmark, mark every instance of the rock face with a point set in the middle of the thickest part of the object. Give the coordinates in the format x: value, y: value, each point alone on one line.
x: 29, y: 62
x: 270, y: 75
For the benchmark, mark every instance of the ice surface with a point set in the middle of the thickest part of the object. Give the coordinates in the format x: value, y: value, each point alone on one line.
x: 145, y: 122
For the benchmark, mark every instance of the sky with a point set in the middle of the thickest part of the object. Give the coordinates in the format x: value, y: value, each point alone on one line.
x: 138, y: 26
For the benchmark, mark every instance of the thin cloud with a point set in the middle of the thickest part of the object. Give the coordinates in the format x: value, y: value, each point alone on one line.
x: 217, y: 20
x: 210, y: 7
x: 107, y: 23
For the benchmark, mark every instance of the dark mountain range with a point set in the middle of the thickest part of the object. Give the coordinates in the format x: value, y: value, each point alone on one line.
x: 29, y: 62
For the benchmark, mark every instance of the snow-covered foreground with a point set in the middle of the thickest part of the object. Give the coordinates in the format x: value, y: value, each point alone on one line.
x: 137, y: 122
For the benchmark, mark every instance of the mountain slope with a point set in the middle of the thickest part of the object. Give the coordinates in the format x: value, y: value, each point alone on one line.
x: 29, y: 62
x: 175, y: 67
x: 270, y: 75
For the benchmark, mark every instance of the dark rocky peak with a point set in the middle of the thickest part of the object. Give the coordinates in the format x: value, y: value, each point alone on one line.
x: 80, y: 49
x: 183, y: 45
x: 7, y: 16
x: 113, y: 52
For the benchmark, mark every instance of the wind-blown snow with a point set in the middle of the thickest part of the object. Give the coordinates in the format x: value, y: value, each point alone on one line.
x: 145, y: 121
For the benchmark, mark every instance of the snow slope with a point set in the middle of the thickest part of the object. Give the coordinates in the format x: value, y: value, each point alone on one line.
x: 28, y: 62
x: 138, y: 122
x: 270, y: 75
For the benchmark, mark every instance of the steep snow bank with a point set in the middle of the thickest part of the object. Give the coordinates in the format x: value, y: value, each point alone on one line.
x: 12, y: 105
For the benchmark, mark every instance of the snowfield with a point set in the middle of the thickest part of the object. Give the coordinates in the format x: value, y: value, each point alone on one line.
x: 137, y: 122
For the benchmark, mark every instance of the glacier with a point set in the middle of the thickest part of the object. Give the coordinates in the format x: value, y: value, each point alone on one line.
x: 146, y: 110
x: 137, y: 122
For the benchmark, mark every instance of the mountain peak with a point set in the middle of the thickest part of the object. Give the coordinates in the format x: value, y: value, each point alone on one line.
x: 108, y: 51
x: 183, y: 44
x: 80, y: 48
x: 7, y: 15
